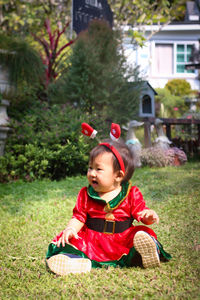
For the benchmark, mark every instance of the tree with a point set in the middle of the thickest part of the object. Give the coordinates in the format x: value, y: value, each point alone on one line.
x: 53, y: 53
x: 23, y: 17
x: 137, y: 13
x: 97, y: 80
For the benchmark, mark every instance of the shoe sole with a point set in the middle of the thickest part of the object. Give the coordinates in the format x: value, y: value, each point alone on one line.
x: 145, y: 245
x: 62, y: 265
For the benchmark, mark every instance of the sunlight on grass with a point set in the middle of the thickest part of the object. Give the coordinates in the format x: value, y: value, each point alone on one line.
x: 33, y: 213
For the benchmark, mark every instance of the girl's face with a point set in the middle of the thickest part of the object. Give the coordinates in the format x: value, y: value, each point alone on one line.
x: 101, y: 175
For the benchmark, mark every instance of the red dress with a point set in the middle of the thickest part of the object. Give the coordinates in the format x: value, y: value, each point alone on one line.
x: 103, y: 248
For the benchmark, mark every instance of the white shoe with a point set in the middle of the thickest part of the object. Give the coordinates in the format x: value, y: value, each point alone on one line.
x: 63, y: 265
x: 145, y: 245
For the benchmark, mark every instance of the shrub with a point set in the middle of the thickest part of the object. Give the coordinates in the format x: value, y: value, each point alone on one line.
x: 47, y: 144
x: 169, y: 105
x: 178, y: 87
x: 176, y: 152
x: 154, y: 157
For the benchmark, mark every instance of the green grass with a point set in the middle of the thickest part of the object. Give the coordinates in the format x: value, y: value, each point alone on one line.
x: 31, y: 214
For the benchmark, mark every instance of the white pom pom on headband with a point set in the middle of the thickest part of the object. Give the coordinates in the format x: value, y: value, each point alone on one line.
x: 88, y: 130
x: 115, y: 133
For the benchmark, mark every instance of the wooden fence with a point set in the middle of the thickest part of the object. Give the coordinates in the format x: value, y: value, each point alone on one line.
x: 190, y: 146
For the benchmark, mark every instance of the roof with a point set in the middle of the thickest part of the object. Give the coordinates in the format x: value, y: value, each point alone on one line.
x: 135, y: 83
x: 151, y: 88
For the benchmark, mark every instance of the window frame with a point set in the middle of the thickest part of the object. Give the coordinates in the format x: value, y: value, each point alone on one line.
x: 175, y: 63
x: 174, y: 44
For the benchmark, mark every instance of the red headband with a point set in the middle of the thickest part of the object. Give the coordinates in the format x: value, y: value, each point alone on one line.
x: 117, y: 155
x: 115, y: 133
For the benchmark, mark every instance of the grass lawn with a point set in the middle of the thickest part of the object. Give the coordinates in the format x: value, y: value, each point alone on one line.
x: 31, y: 214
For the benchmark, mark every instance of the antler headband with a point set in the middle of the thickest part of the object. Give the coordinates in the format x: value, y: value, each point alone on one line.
x: 115, y: 133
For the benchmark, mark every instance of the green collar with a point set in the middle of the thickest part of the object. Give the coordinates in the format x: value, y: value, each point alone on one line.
x: 114, y: 203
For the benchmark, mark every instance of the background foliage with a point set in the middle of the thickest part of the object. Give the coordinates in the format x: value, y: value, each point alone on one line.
x: 141, y: 13
x: 23, y: 17
x: 22, y: 62
x: 94, y: 83
x: 91, y: 90
x: 169, y: 105
x: 54, y: 50
x: 171, y: 99
x: 27, y: 16
x: 46, y: 142
x: 179, y: 87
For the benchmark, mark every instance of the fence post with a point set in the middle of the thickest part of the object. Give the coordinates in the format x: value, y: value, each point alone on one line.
x: 147, y: 134
x: 168, y: 131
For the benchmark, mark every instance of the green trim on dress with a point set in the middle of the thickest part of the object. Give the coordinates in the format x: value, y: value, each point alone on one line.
x: 125, y: 260
x: 114, y: 203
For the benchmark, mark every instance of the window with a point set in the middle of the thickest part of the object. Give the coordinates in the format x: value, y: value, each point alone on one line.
x: 171, y: 58
x: 183, y: 53
x: 146, y: 105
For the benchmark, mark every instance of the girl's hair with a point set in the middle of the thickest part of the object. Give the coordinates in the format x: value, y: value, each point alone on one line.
x: 124, y: 152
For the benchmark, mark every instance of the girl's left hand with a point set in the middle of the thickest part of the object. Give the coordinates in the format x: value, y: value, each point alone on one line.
x: 148, y: 216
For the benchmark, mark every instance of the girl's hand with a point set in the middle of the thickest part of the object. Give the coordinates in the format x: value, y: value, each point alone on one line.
x: 148, y: 216
x: 68, y: 233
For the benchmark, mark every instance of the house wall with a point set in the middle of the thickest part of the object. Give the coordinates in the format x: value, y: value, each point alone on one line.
x: 163, y: 56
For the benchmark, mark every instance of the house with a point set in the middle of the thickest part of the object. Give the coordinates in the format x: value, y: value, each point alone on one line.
x: 165, y: 54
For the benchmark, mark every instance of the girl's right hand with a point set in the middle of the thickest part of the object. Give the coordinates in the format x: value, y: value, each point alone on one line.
x: 68, y: 233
